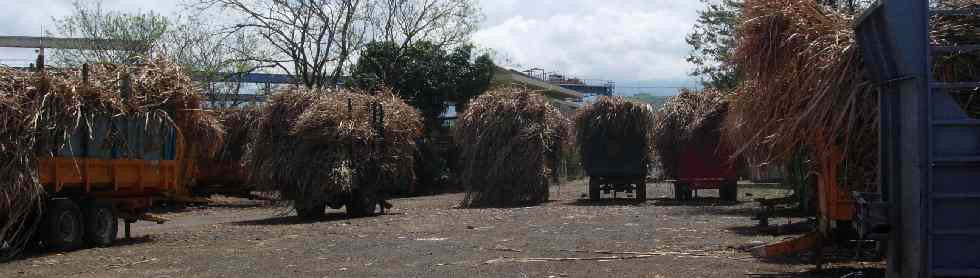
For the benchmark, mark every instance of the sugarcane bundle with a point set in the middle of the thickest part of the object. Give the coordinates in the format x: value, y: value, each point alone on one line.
x: 615, y: 134
x: 42, y: 111
x: 268, y: 160
x: 344, y: 118
x: 690, y: 118
x: 806, y: 86
x: 510, y: 141
x: 157, y: 86
x: 312, y: 145
x: 238, y: 124
x: 225, y: 167
x: 21, y: 197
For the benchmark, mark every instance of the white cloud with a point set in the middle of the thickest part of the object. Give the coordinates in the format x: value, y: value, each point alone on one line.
x: 612, y: 39
x: 621, y: 40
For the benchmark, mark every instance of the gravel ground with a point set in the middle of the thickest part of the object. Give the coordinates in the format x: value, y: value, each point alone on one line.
x: 427, y: 237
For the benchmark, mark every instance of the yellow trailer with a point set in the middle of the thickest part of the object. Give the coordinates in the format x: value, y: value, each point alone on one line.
x: 91, y: 185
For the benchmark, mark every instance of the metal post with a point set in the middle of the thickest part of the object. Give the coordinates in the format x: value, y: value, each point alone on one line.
x: 85, y: 74
x: 40, y: 60
x: 125, y: 87
x: 127, y: 229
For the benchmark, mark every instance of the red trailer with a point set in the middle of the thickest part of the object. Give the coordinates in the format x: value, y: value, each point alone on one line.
x: 706, y: 166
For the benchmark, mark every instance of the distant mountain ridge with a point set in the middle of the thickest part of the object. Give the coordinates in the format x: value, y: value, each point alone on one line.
x: 654, y: 100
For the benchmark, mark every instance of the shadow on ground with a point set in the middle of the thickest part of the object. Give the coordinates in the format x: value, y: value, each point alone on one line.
x: 610, y: 202
x: 39, y: 251
x: 799, y: 227
x: 507, y: 205
x: 836, y: 257
x: 132, y: 241
x: 240, y: 206
x: 775, y: 229
x: 292, y: 220
x: 839, y: 272
x: 697, y: 202
x: 182, y: 207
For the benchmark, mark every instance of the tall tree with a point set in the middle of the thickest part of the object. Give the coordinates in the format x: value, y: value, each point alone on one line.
x: 713, y: 42
x: 444, y: 23
x: 426, y: 75
x: 314, y: 39
x: 473, y: 76
x: 191, y: 40
x: 214, y: 56
x: 89, y: 20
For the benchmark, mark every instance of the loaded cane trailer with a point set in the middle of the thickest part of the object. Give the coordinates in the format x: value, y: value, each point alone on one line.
x: 706, y: 166
x: 90, y: 185
x: 615, y: 165
x: 614, y: 142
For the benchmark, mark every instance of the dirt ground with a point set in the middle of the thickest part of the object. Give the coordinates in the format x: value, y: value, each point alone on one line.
x: 427, y: 237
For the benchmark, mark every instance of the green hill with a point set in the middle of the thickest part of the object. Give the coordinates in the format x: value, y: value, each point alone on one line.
x: 656, y: 101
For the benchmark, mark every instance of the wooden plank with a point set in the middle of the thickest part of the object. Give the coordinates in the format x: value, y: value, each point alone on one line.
x: 795, y: 245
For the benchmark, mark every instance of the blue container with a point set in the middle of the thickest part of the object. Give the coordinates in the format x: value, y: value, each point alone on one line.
x: 122, y: 138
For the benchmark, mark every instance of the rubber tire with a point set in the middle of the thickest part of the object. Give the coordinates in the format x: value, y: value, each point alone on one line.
x: 595, y: 191
x: 361, y: 205
x: 61, y: 214
x: 314, y: 211
x: 729, y: 192
x: 641, y: 192
x: 101, y: 223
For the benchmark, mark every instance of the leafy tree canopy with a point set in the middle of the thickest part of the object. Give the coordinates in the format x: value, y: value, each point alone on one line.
x: 425, y: 74
x: 713, y: 43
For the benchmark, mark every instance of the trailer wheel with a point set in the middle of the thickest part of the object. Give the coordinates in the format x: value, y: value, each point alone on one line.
x: 641, y: 192
x: 595, y: 190
x: 729, y: 192
x: 361, y: 204
x: 311, y: 211
x: 101, y: 223
x: 63, y: 227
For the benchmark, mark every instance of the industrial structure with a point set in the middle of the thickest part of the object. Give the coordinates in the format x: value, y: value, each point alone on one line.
x: 929, y: 202
x: 593, y: 87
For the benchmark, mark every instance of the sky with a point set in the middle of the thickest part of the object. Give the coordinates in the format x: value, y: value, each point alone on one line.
x: 637, y: 43
x: 633, y: 42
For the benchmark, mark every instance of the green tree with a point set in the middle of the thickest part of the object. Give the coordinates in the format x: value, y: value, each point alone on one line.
x: 216, y: 57
x: 473, y: 76
x: 425, y: 74
x: 713, y: 43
